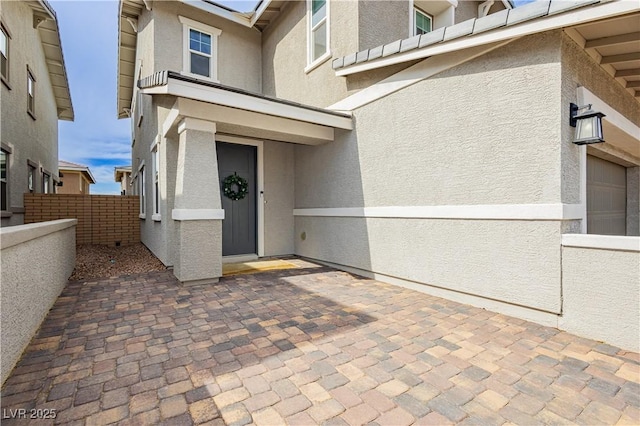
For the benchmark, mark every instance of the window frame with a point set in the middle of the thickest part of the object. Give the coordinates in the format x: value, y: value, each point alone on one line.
x: 31, y: 94
x: 214, y: 33
x: 414, y: 25
x: 314, y: 63
x: 46, y: 182
x: 155, y: 170
x: 141, y: 191
x: 6, y: 77
x: 31, y: 174
x: 6, y: 196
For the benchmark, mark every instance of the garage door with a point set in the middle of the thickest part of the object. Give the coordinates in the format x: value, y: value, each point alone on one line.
x: 606, y: 197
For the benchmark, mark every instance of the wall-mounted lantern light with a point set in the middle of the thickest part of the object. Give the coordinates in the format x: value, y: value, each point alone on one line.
x: 588, y: 124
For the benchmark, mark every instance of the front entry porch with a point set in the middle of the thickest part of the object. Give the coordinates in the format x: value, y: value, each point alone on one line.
x: 214, y: 133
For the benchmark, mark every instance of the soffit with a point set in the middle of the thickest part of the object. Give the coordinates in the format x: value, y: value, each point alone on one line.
x: 46, y: 22
x: 615, y: 45
x: 127, y: 38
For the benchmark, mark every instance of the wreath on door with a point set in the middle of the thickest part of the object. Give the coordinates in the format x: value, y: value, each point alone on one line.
x: 235, y: 187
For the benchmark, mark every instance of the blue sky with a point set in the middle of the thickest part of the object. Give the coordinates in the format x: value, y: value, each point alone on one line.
x: 89, y: 31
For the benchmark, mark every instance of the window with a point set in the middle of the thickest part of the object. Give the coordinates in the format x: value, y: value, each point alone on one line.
x: 46, y: 189
x: 318, y: 36
x: 4, y: 178
x: 32, y: 178
x: 200, y: 49
x: 200, y: 52
x: 156, y: 187
x: 141, y: 191
x: 31, y: 94
x: 4, y: 53
x: 422, y: 22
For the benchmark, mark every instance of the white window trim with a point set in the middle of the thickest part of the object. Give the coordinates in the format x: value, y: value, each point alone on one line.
x: 6, y: 78
x: 155, y: 175
x: 31, y: 81
x: 414, y: 28
x: 188, y: 24
x: 141, y: 191
x: 313, y: 64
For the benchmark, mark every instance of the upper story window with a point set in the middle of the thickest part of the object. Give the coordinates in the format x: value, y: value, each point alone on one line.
x: 200, y: 49
x: 4, y: 53
x: 318, y: 34
x: 31, y: 94
x: 422, y: 22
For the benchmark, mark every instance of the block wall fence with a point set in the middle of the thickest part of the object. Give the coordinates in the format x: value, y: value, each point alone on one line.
x: 102, y: 219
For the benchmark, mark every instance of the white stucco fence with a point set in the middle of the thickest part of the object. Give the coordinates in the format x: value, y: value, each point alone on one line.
x: 37, y: 260
x: 601, y: 288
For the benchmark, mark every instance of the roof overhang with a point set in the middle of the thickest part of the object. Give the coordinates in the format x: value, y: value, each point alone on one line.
x: 244, y: 113
x: 473, y: 34
x: 119, y: 172
x: 82, y: 170
x: 615, y: 45
x: 45, y: 20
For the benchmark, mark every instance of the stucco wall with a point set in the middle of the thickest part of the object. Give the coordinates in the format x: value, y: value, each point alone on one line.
x: 279, y: 184
x: 239, y: 56
x: 464, y: 143
x: 601, y: 295
x: 29, y: 287
x: 284, y: 55
x: 381, y: 22
x: 30, y: 139
x: 579, y: 69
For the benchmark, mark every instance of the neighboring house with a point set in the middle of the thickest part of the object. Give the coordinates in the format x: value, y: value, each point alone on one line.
x: 74, y: 178
x: 122, y: 175
x: 35, y: 95
x: 425, y: 143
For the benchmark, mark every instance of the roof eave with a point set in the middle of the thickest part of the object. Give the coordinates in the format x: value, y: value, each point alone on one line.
x: 596, y: 12
x: 54, y: 57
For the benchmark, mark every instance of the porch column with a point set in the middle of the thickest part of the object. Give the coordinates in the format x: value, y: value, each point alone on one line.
x: 197, y: 208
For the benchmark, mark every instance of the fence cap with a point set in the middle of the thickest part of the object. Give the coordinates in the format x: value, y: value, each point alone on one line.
x: 14, y: 235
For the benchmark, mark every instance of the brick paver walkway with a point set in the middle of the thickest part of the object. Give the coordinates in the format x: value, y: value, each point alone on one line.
x: 308, y: 346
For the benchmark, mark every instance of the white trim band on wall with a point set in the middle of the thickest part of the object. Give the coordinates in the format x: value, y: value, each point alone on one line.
x: 604, y: 242
x: 197, y: 214
x: 489, y: 212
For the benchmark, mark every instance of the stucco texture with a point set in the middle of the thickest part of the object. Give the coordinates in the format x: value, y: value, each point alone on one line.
x: 516, y: 262
x: 239, y: 55
x: 29, y: 288
x: 579, y: 69
x: 601, y: 295
x: 467, y: 136
x: 284, y: 52
x: 30, y: 139
x: 279, y: 185
x: 464, y: 142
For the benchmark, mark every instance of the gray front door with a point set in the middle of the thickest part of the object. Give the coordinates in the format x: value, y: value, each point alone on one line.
x: 239, y: 224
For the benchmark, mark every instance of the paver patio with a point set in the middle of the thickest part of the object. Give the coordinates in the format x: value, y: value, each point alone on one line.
x: 307, y: 346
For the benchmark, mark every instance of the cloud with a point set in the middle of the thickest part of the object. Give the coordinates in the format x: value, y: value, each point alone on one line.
x: 96, y: 138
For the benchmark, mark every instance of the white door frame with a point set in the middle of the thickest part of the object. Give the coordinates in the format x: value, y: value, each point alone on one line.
x: 260, y: 198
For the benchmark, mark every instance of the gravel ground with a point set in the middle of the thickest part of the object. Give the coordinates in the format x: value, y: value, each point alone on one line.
x: 94, y: 261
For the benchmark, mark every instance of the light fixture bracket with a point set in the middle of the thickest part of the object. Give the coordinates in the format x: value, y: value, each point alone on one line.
x: 588, y: 124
